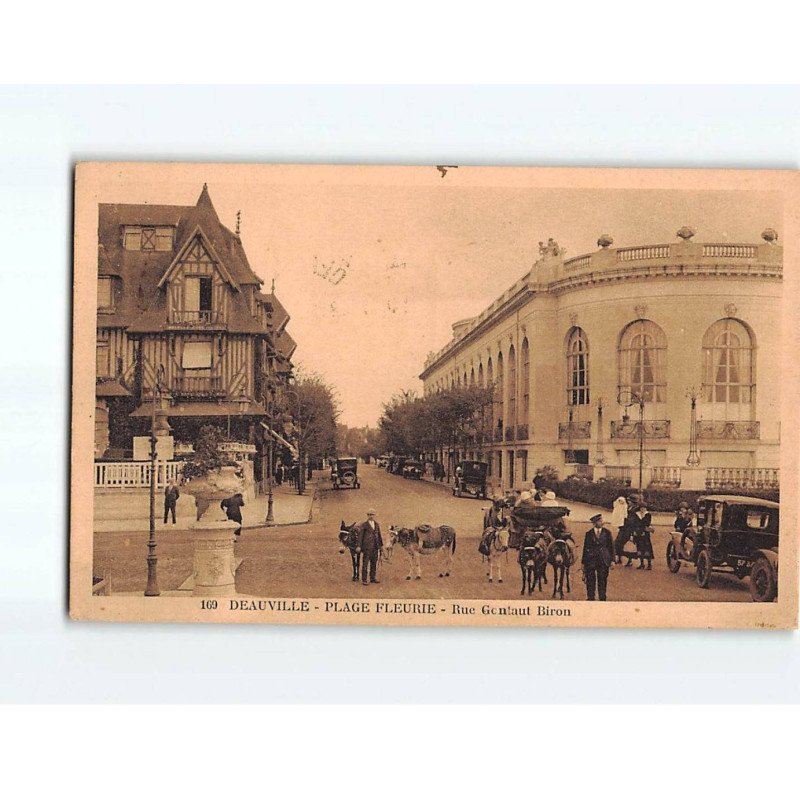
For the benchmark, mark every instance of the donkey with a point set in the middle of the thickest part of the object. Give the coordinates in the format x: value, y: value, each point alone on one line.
x: 425, y: 540
x: 561, y: 556
x: 494, y: 544
x: 348, y: 540
x: 533, y: 560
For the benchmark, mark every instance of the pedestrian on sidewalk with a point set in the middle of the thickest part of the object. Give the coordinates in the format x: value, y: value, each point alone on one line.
x: 279, y: 474
x: 369, y: 543
x: 232, y: 506
x: 597, y: 557
x: 171, y: 495
x: 619, y: 517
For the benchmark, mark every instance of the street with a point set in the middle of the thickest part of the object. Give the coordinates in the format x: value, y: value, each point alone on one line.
x: 304, y: 560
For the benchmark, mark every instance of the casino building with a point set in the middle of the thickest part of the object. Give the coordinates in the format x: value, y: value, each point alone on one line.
x: 659, y: 358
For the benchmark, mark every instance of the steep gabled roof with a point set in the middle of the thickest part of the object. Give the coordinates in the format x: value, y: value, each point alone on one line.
x: 280, y: 317
x: 209, y: 247
x: 141, y: 306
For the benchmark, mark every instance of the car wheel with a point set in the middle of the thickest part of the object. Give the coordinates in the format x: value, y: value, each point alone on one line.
x: 763, y: 588
x: 703, y: 572
x: 673, y: 562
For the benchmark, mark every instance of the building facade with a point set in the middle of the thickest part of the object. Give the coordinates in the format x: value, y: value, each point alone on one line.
x: 684, y: 336
x: 182, y: 325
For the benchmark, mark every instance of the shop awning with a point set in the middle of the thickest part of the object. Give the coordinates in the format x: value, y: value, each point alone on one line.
x: 278, y: 438
x: 206, y: 410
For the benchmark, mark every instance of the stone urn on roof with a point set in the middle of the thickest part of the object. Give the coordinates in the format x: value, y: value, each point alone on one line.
x: 685, y: 233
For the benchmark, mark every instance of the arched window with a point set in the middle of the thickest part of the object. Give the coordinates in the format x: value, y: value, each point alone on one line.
x: 480, y: 375
x: 472, y: 376
x: 642, y: 361
x: 525, y: 382
x: 512, y: 386
x: 728, y: 372
x: 577, y: 368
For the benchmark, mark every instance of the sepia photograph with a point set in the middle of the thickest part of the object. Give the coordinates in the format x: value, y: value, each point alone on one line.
x: 437, y: 395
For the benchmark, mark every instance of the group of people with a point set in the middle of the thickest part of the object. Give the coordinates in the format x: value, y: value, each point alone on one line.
x: 287, y: 473
x: 634, y: 525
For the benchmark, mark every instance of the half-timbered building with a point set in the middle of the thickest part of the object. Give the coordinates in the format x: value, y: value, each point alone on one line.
x: 181, y: 323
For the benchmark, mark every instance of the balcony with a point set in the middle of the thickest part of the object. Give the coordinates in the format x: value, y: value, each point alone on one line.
x: 707, y: 429
x: 196, y: 320
x: 653, y: 429
x: 189, y: 387
x: 574, y: 430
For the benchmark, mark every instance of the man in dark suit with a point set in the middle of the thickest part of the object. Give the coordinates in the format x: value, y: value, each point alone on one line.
x: 369, y: 544
x: 171, y: 495
x: 598, y: 555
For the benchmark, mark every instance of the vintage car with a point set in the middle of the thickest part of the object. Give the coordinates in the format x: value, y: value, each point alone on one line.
x: 532, y: 516
x: 344, y: 473
x: 396, y: 464
x: 733, y: 534
x: 471, y: 479
x: 413, y: 469
x: 382, y: 461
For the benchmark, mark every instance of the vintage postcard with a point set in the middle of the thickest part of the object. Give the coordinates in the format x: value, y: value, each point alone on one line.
x: 442, y: 395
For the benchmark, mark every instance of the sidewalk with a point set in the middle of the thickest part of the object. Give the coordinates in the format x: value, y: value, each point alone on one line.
x: 130, y: 511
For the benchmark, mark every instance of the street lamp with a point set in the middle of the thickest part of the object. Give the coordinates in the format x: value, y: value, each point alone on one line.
x: 600, y: 457
x: 628, y: 398
x: 270, y: 461
x: 158, y: 427
x: 301, y: 475
x: 693, y: 459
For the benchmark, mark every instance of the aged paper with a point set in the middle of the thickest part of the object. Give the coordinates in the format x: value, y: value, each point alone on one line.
x: 440, y: 395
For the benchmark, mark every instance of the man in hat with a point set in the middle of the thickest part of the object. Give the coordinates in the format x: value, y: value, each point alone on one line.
x: 598, y: 555
x: 369, y: 544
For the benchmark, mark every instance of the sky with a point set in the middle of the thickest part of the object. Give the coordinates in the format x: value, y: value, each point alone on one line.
x: 374, y: 264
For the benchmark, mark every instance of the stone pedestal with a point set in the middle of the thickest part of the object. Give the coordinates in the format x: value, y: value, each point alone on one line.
x: 693, y: 478
x: 212, y: 533
x: 214, y: 564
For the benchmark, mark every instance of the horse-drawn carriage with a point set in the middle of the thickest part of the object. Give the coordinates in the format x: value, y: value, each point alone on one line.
x: 344, y: 473
x: 471, y: 479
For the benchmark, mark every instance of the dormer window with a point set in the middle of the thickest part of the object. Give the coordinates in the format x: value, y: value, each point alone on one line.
x: 105, y: 294
x: 144, y: 237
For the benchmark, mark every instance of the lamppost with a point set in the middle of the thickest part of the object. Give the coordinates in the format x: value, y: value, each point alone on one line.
x: 158, y: 427
x: 628, y: 398
x: 270, y: 465
x: 693, y: 459
x: 301, y: 474
x: 600, y: 457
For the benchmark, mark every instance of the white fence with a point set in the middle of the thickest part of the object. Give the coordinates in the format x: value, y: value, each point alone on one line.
x: 135, y: 474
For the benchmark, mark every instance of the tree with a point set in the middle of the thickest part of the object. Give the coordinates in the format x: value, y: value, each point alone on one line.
x: 313, y: 410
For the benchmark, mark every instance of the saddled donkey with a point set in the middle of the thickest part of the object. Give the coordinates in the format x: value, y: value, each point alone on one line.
x: 561, y: 556
x: 532, y: 560
x: 348, y: 539
x: 494, y: 546
x: 426, y: 540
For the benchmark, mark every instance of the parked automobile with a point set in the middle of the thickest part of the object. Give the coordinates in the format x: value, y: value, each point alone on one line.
x: 471, y: 479
x: 413, y: 469
x: 344, y: 473
x: 734, y: 534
